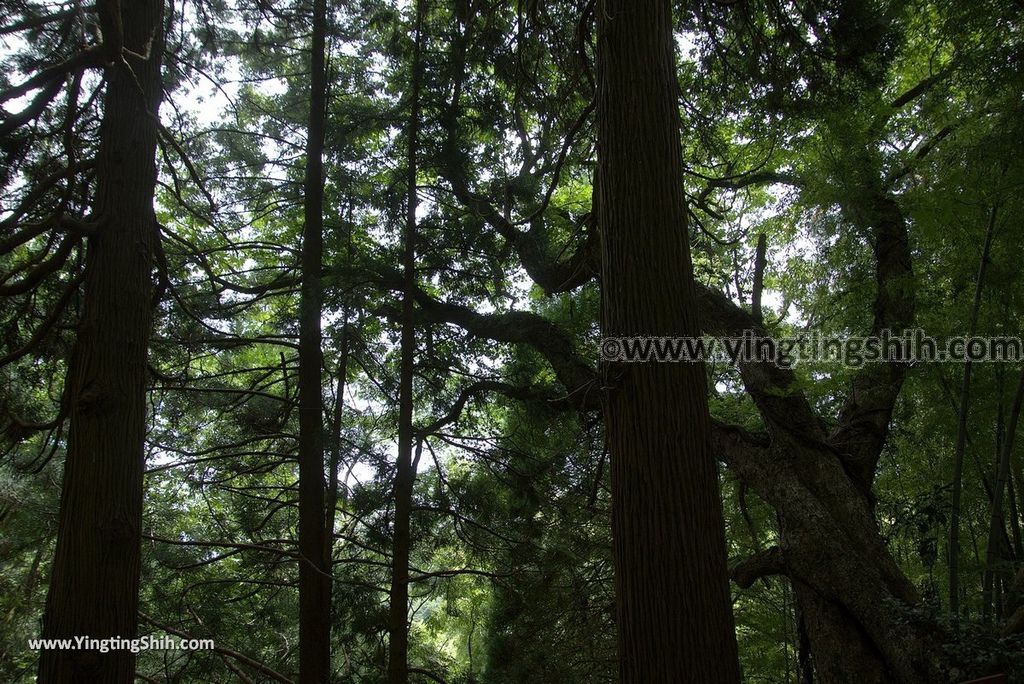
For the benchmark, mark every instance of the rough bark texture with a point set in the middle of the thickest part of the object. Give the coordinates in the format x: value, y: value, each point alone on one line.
x: 841, y: 646
x: 94, y: 582
x: 314, y: 569
x: 405, y: 470
x: 674, y: 613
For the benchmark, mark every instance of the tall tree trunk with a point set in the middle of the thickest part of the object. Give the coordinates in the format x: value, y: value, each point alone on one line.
x: 94, y: 582
x: 333, y: 481
x: 986, y: 578
x: 1014, y: 513
x: 840, y: 651
x: 674, y: 613
x: 314, y: 572
x: 405, y: 473
x: 961, y: 433
x: 845, y: 644
x: 996, y: 530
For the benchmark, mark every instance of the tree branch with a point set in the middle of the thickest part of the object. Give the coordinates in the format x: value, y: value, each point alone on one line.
x: 763, y: 564
x: 244, y: 659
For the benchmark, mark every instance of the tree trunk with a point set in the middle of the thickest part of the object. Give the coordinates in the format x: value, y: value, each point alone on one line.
x: 405, y: 473
x: 841, y: 651
x: 314, y: 572
x: 333, y: 481
x: 94, y: 582
x: 674, y: 613
x: 852, y: 595
x: 961, y: 434
x: 996, y: 530
x: 334, y: 493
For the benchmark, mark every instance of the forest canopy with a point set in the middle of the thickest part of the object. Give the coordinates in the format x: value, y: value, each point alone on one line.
x: 304, y: 322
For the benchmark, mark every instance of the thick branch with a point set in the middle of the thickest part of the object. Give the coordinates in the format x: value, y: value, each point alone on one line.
x: 867, y: 412
x: 516, y: 327
x: 763, y: 564
x: 482, y: 387
x: 39, y: 273
x: 551, y: 275
x: 774, y: 389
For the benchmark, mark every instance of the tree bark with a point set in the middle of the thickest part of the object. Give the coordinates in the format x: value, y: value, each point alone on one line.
x: 94, y: 581
x: 314, y: 570
x: 405, y: 472
x: 674, y: 613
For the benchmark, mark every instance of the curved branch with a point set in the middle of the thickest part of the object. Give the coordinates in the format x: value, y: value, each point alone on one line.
x: 49, y: 81
x: 39, y: 273
x: 763, y: 564
x: 518, y: 327
x: 867, y: 411
x: 482, y: 387
x: 40, y: 332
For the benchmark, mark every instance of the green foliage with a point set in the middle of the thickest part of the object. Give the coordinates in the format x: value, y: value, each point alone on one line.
x: 794, y: 118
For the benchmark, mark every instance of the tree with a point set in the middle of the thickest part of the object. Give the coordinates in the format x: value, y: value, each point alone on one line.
x: 674, y: 612
x: 405, y: 466
x: 94, y: 581
x: 866, y: 142
x: 314, y: 537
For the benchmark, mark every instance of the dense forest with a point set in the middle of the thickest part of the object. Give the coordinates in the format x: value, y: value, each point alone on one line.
x: 304, y: 310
